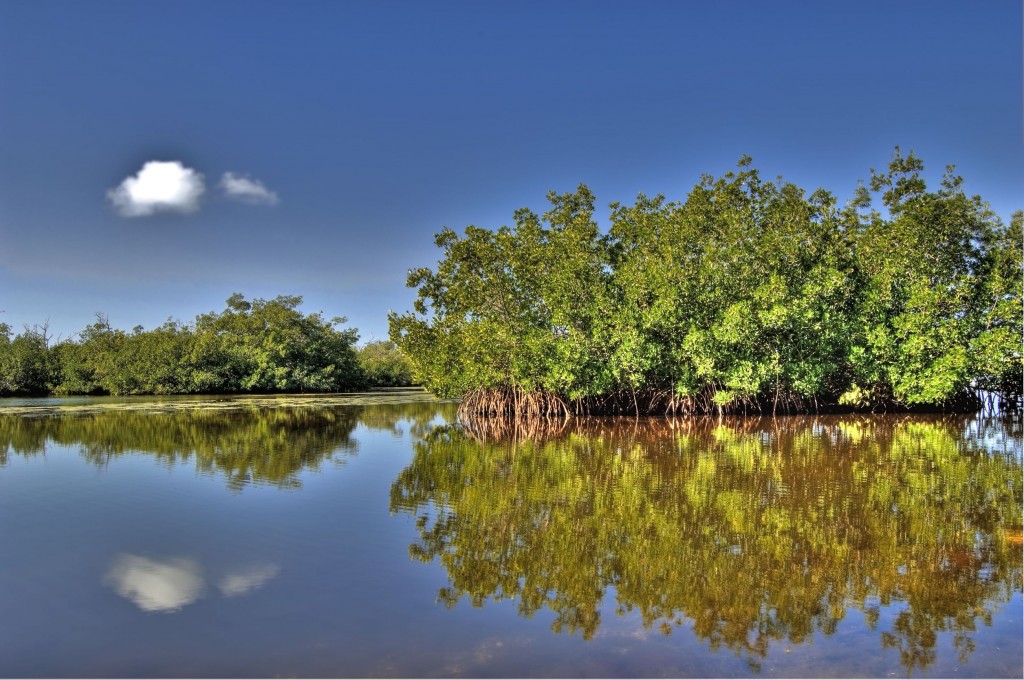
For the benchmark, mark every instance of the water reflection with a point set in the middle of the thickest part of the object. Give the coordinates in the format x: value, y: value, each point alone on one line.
x: 246, y: 444
x: 168, y: 584
x: 746, y: 531
x: 242, y: 581
x: 156, y: 585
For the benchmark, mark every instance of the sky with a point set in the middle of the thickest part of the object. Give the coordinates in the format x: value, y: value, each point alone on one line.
x: 156, y: 157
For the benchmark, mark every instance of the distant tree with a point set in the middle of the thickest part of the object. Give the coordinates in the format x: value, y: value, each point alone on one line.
x: 269, y: 346
x: 25, y: 364
x: 258, y: 346
x: 385, y: 365
x: 75, y: 371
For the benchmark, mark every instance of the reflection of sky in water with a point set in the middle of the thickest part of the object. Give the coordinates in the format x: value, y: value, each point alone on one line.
x: 243, y: 580
x: 154, y: 585
x: 169, y: 584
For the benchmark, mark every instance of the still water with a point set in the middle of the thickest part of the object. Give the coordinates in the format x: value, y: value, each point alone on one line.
x: 374, y: 537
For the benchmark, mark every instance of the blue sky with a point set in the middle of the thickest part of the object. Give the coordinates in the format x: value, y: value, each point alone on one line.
x: 363, y: 128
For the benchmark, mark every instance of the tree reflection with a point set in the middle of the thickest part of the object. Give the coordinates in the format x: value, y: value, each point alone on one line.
x: 419, y: 417
x: 246, y: 445
x: 751, y: 530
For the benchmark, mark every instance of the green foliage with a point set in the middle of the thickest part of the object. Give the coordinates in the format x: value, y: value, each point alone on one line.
x: 747, y: 295
x: 269, y: 346
x: 385, y: 365
x: 738, y: 292
x: 996, y: 348
x: 937, y: 286
x: 517, y: 307
x: 26, y: 364
x: 257, y: 346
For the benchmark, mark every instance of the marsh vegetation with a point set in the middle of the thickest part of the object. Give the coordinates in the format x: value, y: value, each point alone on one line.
x: 748, y: 296
x: 256, y: 346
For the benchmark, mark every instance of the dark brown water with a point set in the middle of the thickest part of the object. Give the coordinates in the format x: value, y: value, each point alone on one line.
x: 369, y: 537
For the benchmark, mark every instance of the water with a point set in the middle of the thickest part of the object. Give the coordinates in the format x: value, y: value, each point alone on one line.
x: 367, y: 536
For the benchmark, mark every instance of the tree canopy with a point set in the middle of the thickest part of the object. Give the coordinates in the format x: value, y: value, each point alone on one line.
x: 749, y: 295
x: 250, y: 346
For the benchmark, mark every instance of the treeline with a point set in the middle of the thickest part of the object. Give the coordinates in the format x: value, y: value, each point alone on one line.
x: 251, y: 346
x: 749, y: 296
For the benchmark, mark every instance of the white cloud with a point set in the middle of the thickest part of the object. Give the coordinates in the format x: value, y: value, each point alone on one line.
x: 155, y: 585
x: 244, y: 580
x: 159, y: 186
x: 247, y: 190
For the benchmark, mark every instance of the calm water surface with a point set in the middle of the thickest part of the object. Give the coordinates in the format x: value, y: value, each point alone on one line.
x: 373, y: 537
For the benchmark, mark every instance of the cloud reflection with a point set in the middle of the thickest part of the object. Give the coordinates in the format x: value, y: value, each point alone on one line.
x: 167, y: 585
x: 156, y: 585
x: 244, y: 580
